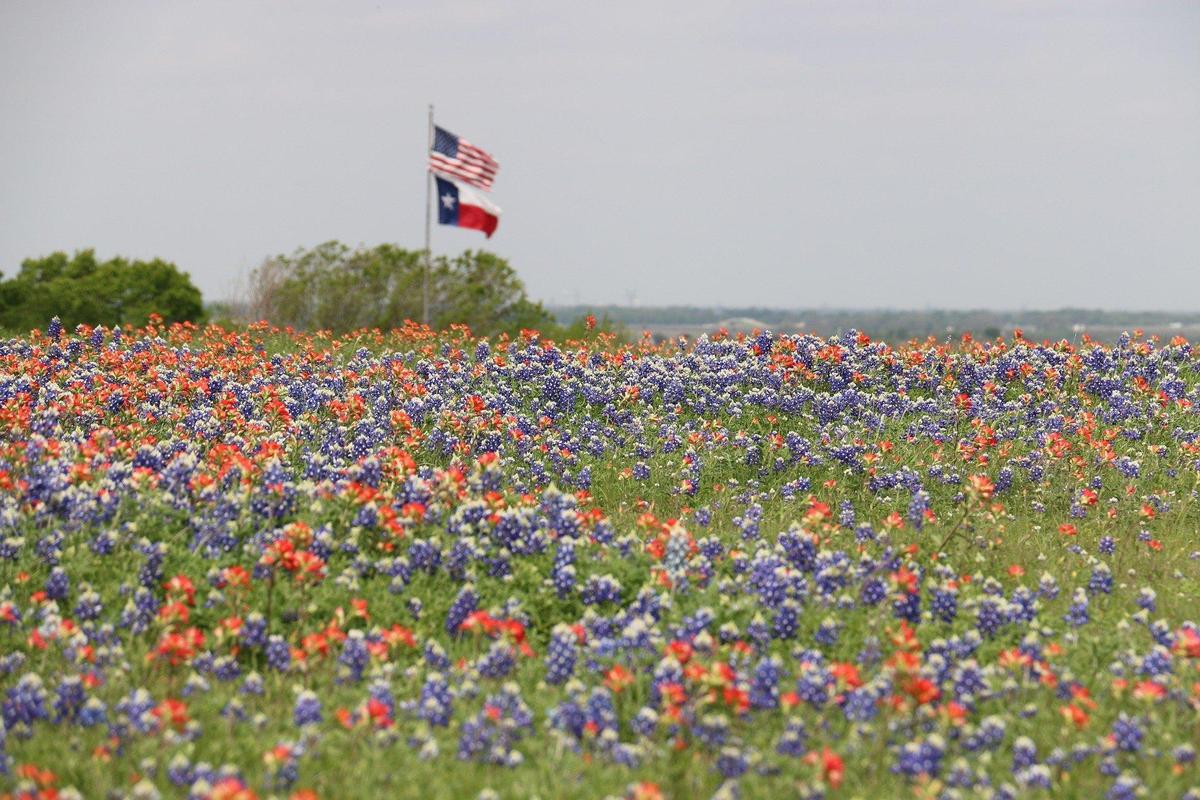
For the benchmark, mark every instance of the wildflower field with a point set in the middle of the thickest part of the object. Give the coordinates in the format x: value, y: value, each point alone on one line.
x: 251, y: 563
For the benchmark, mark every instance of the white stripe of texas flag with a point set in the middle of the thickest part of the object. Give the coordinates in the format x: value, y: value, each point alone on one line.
x: 468, y: 196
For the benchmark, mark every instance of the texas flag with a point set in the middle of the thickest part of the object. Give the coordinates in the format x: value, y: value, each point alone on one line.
x: 465, y: 207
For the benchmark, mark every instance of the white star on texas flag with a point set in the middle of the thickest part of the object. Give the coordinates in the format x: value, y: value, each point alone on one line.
x: 448, y: 200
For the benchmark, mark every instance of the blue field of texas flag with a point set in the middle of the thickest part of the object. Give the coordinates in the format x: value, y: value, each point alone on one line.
x: 465, y: 207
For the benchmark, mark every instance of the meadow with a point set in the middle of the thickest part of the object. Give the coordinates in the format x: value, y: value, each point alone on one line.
x: 256, y: 563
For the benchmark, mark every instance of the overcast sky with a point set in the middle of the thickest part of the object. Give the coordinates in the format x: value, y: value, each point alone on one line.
x: 1003, y: 155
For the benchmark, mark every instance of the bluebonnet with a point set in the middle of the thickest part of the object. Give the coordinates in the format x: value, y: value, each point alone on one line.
x: 307, y: 710
x: 1077, y: 615
x: 922, y: 758
x: 25, y: 703
x: 1127, y: 733
x: 354, y: 656
x: 436, y: 704
x: 560, y: 655
x: 279, y: 655
x: 464, y: 603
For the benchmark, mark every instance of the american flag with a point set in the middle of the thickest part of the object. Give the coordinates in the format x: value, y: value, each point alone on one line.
x: 459, y: 158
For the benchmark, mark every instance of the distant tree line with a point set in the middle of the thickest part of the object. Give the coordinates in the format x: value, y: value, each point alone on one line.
x: 339, y: 288
x: 899, y: 325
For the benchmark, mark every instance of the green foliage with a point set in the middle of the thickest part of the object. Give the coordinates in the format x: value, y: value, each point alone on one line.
x: 333, y: 287
x: 81, y: 289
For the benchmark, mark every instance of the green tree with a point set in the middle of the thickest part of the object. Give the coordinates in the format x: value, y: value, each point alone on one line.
x: 81, y: 289
x: 484, y: 291
x: 333, y: 287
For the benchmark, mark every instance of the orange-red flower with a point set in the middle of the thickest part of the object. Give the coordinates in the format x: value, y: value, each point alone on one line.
x: 617, y: 678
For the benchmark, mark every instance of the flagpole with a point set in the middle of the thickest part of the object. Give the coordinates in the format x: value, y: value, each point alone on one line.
x: 428, y: 226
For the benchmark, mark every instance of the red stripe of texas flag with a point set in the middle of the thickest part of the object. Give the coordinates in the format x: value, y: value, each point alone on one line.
x: 475, y: 217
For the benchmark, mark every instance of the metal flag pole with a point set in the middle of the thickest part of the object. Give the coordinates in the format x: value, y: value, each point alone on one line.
x: 428, y: 224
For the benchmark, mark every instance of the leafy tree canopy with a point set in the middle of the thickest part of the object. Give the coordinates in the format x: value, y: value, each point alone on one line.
x: 333, y: 287
x: 82, y: 289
